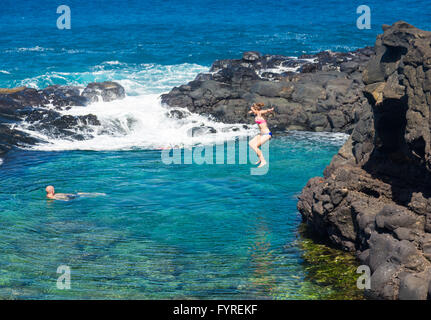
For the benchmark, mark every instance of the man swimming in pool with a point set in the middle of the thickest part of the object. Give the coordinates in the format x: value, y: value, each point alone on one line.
x: 50, y: 194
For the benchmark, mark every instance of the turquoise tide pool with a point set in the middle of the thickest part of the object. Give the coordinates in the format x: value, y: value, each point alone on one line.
x: 162, y: 231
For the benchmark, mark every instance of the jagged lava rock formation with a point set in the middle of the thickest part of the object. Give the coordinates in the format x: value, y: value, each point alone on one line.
x: 374, y: 198
x: 40, y: 110
x: 321, y: 92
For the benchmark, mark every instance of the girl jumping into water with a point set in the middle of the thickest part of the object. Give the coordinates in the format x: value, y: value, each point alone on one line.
x: 265, y: 133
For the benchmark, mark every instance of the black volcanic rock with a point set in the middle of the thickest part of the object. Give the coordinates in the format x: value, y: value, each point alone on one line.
x: 322, y: 92
x: 11, y: 138
x: 374, y: 198
x: 251, y: 56
x: 62, y: 96
x: 107, y: 90
x: 200, y: 131
x: 12, y: 101
x: 40, y: 110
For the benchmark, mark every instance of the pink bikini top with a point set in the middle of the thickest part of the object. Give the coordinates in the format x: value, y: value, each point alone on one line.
x: 260, y: 121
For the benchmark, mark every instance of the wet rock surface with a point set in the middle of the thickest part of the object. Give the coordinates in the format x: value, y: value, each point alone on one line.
x: 374, y: 197
x: 41, y: 111
x: 107, y: 91
x: 321, y: 92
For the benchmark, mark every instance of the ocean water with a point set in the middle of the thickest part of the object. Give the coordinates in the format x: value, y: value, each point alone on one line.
x: 111, y: 38
x: 162, y: 231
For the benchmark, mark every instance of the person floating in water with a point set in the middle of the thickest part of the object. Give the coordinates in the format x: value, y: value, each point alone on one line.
x: 265, y: 133
x: 50, y: 194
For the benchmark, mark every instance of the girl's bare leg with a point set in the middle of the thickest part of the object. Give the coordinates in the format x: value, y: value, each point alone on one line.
x: 254, y: 145
x: 261, y: 141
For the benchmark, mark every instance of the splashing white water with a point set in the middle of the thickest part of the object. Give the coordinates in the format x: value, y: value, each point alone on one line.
x: 140, y: 120
x: 281, y: 68
x: 331, y: 138
x: 137, y: 79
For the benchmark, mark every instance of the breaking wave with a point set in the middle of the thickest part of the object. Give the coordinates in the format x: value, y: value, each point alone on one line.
x: 139, y: 121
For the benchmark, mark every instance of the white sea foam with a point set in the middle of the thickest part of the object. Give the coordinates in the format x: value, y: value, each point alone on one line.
x: 330, y: 138
x: 4, y: 72
x: 281, y: 68
x: 137, y: 79
x: 139, y: 120
x: 36, y: 48
x: 113, y: 62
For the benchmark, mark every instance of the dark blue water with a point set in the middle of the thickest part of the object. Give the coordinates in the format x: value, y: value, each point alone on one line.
x: 178, y: 231
x: 176, y: 32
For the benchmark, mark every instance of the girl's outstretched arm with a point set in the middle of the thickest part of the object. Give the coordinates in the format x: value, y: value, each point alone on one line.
x: 267, y: 111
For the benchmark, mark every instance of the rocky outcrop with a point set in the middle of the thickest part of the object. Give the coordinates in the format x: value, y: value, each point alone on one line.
x: 374, y: 198
x: 322, y: 92
x: 41, y: 110
x: 107, y: 91
x: 11, y: 138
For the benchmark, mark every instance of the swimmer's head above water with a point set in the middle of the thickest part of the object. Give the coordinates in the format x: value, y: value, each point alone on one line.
x: 50, y: 192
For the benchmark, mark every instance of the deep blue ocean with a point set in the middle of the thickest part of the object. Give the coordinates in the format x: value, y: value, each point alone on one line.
x: 162, y: 231
x: 169, y: 32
